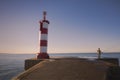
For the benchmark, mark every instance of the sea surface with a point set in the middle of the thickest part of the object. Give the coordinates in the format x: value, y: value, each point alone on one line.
x: 13, y: 64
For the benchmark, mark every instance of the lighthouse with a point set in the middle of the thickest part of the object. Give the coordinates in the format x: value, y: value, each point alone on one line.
x: 43, y: 37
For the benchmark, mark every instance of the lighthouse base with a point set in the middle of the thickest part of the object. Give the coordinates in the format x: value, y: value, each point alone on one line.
x: 42, y: 56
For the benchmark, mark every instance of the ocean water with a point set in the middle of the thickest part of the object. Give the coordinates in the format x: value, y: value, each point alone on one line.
x: 13, y: 64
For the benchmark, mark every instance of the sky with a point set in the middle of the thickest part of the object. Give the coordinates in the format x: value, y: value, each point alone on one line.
x: 76, y: 26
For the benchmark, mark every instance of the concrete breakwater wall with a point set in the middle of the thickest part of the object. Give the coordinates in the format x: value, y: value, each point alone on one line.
x: 114, y: 61
x: 31, y: 62
x: 70, y: 69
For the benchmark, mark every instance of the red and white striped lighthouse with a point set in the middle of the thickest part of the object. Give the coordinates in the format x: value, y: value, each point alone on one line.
x: 43, y: 38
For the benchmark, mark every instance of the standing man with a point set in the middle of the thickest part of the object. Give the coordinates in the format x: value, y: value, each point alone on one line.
x: 99, y: 53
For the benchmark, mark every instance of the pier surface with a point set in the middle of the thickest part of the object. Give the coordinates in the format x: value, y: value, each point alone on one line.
x: 67, y: 69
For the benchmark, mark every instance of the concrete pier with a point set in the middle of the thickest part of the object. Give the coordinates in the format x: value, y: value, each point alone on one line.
x: 71, y: 69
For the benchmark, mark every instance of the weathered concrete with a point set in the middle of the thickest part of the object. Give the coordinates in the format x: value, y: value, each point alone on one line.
x: 68, y: 69
x: 114, y: 61
x: 31, y: 62
x: 113, y: 73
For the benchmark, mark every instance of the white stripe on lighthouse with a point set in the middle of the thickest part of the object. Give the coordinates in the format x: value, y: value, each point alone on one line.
x: 45, y: 25
x: 44, y: 37
x: 43, y: 49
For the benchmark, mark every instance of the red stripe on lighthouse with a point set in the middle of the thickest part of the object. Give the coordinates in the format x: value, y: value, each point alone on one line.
x: 44, y: 31
x: 43, y: 43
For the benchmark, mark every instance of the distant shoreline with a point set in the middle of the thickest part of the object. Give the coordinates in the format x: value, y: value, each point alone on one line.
x: 69, y: 53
